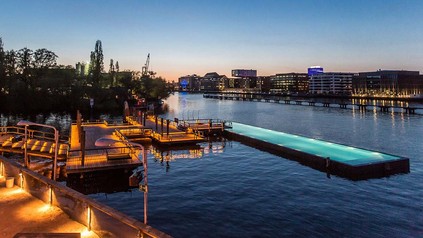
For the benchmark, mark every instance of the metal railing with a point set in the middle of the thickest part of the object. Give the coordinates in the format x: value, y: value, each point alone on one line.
x: 101, y: 219
x: 75, y: 157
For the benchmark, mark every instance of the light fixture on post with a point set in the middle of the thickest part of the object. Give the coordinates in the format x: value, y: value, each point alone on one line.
x: 21, y: 179
x: 103, y: 141
x: 56, y: 141
x: 1, y: 169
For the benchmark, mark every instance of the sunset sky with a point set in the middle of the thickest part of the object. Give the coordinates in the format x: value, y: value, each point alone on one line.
x: 187, y: 37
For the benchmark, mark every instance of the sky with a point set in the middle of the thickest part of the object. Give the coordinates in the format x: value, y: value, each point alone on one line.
x: 195, y: 37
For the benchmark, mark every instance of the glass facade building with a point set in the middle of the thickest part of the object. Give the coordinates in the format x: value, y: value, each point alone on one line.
x: 289, y: 83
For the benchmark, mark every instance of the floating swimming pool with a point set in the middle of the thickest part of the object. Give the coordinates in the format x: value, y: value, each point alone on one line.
x: 342, y: 157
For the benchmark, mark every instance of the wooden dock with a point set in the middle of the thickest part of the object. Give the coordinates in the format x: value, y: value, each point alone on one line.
x: 166, y: 132
x: 81, y: 154
x: 88, y: 157
x: 204, y: 127
x: 39, y: 143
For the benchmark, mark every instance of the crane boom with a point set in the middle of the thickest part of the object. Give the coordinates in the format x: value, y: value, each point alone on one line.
x: 145, y: 67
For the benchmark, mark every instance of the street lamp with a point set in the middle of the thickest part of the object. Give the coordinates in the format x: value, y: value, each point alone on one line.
x: 103, y: 141
x: 56, y: 141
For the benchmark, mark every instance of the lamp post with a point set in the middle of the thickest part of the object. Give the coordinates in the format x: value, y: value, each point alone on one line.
x: 56, y: 142
x: 110, y: 142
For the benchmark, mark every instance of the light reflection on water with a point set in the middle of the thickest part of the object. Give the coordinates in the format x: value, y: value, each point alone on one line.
x: 244, y: 192
x: 238, y: 191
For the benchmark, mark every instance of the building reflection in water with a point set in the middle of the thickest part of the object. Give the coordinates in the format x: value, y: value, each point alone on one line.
x: 167, y: 155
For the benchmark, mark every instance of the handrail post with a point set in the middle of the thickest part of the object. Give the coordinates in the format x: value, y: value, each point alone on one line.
x: 26, y: 148
x: 83, y: 147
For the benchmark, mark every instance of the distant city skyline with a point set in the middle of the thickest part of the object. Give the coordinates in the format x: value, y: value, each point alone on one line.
x: 196, y: 37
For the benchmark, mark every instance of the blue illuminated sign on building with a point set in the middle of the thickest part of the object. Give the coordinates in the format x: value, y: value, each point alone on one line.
x: 315, y: 70
x: 184, y: 83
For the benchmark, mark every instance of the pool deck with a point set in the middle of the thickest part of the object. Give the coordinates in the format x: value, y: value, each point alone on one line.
x: 95, y: 157
x: 22, y: 213
x: 332, y: 158
x: 175, y: 136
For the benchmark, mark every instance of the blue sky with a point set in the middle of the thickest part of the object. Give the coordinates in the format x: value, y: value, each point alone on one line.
x: 186, y: 37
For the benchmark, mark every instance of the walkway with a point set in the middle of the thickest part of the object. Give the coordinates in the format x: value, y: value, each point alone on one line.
x: 22, y: 213
x: 175, y: 135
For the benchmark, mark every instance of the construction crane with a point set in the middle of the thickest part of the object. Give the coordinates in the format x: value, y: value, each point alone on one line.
x: 145, y: 67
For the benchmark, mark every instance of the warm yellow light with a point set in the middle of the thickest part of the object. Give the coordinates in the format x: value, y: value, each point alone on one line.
x: 50, y: 190
x: 44, y: 208
x: 12, y: 192
x: 87, y: 233
x: 21, y: 177
x: 89, y: 219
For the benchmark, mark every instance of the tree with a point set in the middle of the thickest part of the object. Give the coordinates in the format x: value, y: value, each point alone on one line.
x: 10, y: 60
x: 96, y: 64
x: 152, y: 89
x: 111, y: 66
x: 117, y: 66
x: 2, y: 66
x: 24, y: 62
x: 112, y: 72
x: 44, y: 58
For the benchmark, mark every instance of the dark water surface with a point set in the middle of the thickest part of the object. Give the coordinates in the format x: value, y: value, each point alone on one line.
x: 227, y: 189
x: 234, y: 190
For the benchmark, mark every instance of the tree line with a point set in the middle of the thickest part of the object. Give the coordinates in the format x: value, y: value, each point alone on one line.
x: 31, y: 82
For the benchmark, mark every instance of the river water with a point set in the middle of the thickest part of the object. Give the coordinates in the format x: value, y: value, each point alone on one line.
x: 227, y: 189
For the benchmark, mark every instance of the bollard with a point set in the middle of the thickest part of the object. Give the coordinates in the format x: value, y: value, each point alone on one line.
x: 10, y: 181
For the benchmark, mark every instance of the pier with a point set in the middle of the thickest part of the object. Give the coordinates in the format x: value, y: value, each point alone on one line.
x: 84, y: 156
x: 344, y: 161
x: 39, y: 143
x: 80, y: 153
x: 306, y: 102
x: 165, y: 132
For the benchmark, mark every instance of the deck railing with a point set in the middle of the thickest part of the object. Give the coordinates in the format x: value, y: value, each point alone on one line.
x: 102, y: 155
x: 103, y: 220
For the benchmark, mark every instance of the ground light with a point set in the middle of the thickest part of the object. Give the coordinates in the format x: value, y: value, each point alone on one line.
x: 47, y: 206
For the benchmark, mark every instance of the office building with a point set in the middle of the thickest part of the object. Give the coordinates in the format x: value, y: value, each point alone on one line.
x: 388, y: 83
x: 331, y: 83
x: 289, y: 83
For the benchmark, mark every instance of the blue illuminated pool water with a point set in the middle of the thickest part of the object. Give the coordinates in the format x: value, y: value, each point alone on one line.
x: 341, y: 153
